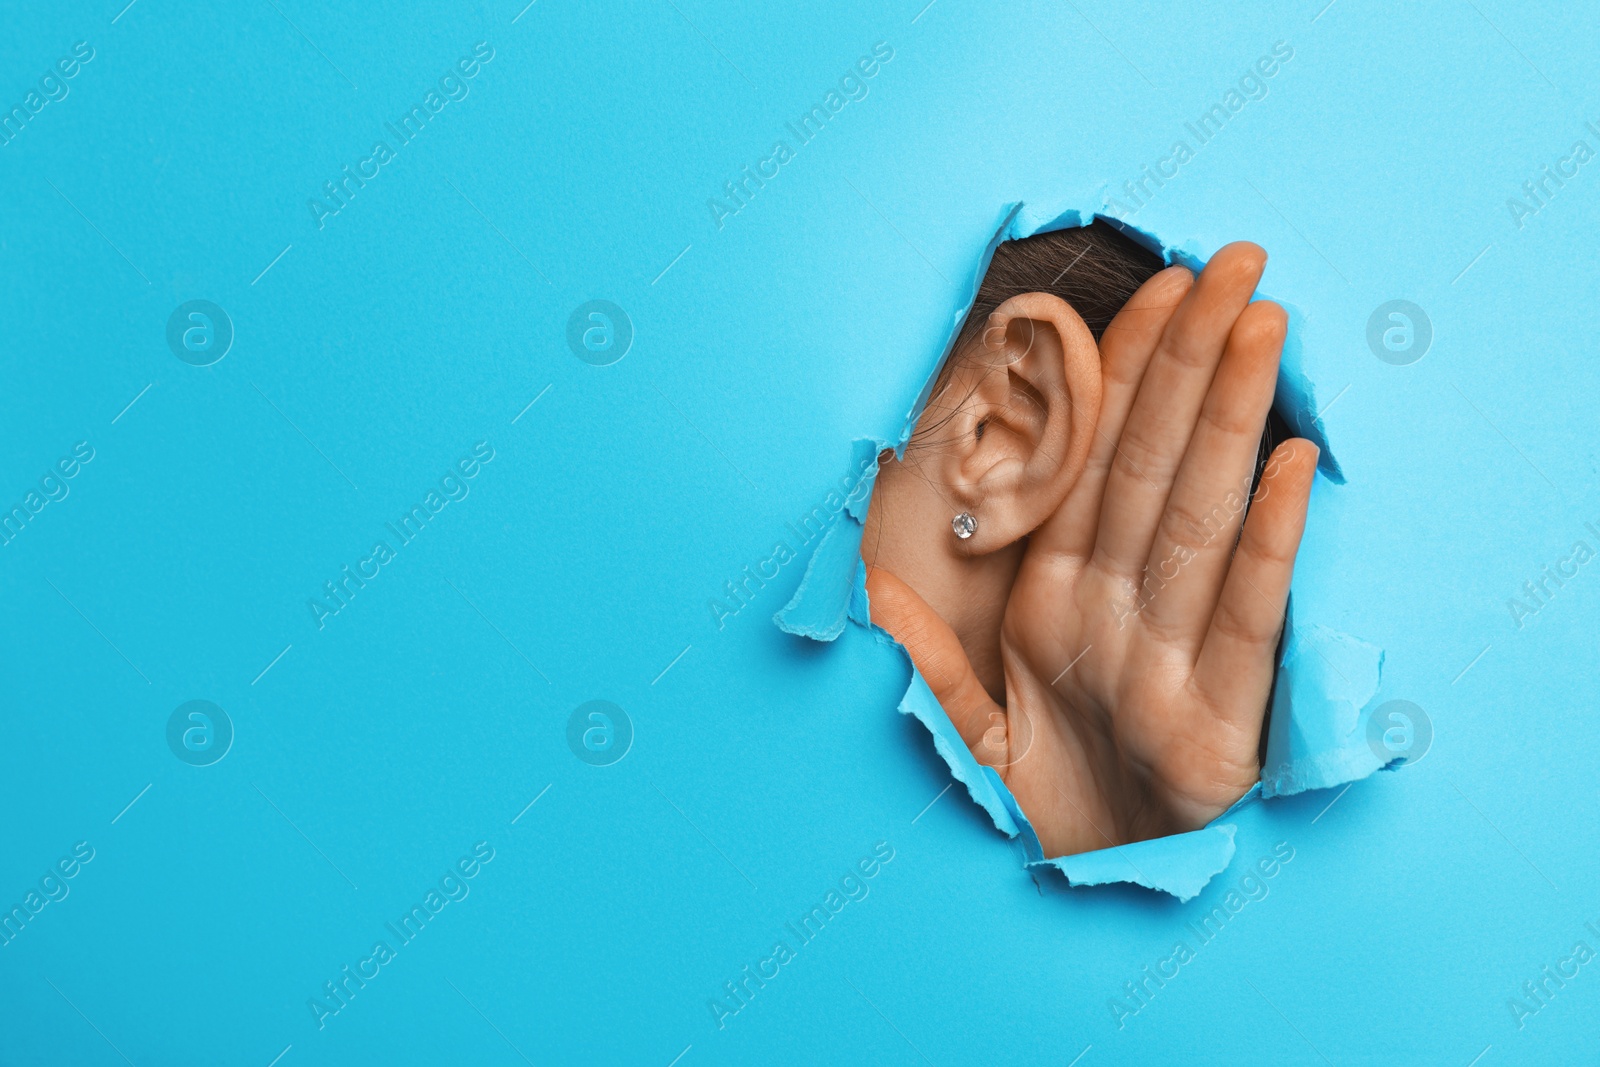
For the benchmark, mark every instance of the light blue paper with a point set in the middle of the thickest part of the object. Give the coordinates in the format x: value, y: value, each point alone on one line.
x: 1325, y: 680
x: 1394, y: 153
x: 1182, y: 864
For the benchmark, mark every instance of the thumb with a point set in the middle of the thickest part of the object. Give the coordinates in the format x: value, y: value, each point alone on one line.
x: 942, y: 662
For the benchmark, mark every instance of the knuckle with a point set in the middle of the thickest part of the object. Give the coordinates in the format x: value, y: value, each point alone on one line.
x: 1234, y: 417
x: 1140, y: 457
x: 1230, y: 623
x: 1267, y: 554
x: 1188, y: 528
x: 1187, y: 351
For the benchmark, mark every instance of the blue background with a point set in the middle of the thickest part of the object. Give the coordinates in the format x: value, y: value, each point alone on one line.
x: 372, y: 353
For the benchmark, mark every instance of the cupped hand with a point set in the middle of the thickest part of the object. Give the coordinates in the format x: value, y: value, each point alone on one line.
x: 1140, y: 632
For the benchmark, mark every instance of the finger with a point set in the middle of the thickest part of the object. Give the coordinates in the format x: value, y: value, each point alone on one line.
x: 1234, y: 671
x: 1125, y: 350
x: 1174, y: 387
x: 1200, y: 525
x: 941, y: 661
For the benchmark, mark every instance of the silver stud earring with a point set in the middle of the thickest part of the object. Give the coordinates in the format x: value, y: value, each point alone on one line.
x: 964, y: 525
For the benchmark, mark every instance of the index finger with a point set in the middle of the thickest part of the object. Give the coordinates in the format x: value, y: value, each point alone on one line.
x: 1163, y: 418
x: 1125, y: 350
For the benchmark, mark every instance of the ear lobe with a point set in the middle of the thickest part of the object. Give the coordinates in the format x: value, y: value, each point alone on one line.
x: 1029, y: 397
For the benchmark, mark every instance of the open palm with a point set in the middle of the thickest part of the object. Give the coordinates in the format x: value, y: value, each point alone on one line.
x: 1139, y: 635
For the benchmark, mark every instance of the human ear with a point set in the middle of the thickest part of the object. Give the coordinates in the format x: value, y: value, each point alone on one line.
x: 1012, y: 427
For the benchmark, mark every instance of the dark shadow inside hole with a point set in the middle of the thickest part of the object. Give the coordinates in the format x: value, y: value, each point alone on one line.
x: 1278, y: 431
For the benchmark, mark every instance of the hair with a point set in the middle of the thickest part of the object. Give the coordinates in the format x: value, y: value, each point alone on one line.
x: 1095, y: 268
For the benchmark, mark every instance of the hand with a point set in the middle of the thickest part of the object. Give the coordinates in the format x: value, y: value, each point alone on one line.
x: 1140, y: 632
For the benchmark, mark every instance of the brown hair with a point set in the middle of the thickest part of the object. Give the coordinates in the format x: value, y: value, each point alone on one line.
x: 1096, y: 269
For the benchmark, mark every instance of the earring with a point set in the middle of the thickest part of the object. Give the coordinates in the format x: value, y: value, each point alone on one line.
x: 964, y: 525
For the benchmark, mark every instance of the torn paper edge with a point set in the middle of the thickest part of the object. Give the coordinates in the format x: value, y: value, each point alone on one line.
x: 1327, y: 680
x: 1325, y: 683
x: 1181, y: 864
x: 817, y: 609
x: 1296, y: 397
